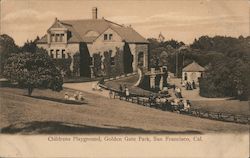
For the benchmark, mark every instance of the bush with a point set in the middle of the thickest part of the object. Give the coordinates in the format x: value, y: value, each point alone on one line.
x: 63, y: 65
x: 227, y: 78
x: 76, y: 64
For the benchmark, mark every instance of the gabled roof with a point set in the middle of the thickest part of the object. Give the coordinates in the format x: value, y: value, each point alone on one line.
x: 129, y: 35
x: 79, y: 28
x: 43, y: 39
x: 57, y: 24
x: 193, y: 67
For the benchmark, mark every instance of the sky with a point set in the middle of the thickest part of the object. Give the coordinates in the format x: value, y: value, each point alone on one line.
x: 182, y: 20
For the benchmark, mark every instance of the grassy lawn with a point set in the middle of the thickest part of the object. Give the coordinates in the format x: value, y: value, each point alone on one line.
x: 129, y: 82
x: 79, y: 79
x: 226, y: 106
x: 31, y: 115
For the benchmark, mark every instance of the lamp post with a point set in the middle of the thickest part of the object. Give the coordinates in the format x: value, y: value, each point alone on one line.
x: 176, y: 54
x: 176, y: 63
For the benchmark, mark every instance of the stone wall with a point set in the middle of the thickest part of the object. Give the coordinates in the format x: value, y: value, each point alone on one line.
x: 143, y: 48
x: 134, y: 53
x: 115, y: 47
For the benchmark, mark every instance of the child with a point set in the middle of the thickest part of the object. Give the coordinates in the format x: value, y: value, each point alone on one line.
x: 80, y: 97
x: 110, y: 94
x: 66, y: 96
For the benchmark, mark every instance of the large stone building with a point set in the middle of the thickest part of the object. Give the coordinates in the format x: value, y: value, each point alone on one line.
x: 96, y: 46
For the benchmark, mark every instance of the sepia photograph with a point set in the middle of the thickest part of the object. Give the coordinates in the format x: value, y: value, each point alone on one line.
x: 119, y: 71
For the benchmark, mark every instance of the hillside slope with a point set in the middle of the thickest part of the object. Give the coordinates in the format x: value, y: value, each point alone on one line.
x: 23, y: 114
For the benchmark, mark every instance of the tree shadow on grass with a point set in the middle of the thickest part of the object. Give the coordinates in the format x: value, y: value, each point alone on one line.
x: 77, y: 102
x: 54, y: 127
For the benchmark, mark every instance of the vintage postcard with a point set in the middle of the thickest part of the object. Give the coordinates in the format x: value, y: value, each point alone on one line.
x: 124, y: 78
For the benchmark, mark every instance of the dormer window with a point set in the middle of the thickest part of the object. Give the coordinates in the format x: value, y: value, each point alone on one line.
x: 105, y: 37
x: 61, y: 37
x: 57, y: 37
x: 52, y: 37
x: 110, y: 36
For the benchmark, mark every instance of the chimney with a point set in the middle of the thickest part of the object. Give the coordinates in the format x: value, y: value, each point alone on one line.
x: 94, y: 12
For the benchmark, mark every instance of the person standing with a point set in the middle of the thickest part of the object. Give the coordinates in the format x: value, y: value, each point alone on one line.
x: 110, y: 93
x: 127, y: 93
x: 120, y: 88
x: 181, y: 105
x: 193, y: 84
x: 120, y: 91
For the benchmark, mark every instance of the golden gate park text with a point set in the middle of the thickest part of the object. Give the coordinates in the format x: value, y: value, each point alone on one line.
x: 125, y: 139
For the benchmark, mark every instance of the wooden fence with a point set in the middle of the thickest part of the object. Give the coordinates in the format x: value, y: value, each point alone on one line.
x: 221, y: 116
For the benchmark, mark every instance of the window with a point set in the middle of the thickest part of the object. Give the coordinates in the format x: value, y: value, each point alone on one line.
x: 51, y: 53
x: 110, y: 36
x: 63, y: 53
x: 140, y: 58
x: 61, y: 37
x: 91, y: 61
x: 57, y: 53
x: 105, y: 36
x: 52, y: 37
x: 185, y: 76
x: 112, y: 61
x: 57, y: 37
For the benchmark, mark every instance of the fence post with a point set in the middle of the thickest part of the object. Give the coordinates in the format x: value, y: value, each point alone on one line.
x: 235, y: 118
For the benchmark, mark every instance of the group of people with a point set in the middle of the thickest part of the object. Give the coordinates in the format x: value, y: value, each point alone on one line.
x: 76, y: 96
x: 178, y: 105
x: 122, y: 92
x: 188, y: 85
x: 158, y: 101
x: 177, y: 91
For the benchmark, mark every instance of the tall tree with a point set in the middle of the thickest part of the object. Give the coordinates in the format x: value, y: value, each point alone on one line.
x: 33, y: 70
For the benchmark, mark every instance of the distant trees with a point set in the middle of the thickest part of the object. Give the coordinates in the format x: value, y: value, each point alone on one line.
x: 227, y: 60
x: 229, y: 71
x: 7, y: 48
x: 33, y: 70
x: 227, y: 77
x: 154, y: 43
x: 160, y: 51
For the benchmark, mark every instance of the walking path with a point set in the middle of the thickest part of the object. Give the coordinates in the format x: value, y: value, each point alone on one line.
x: 87, y: 87
x: 189, y: 94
